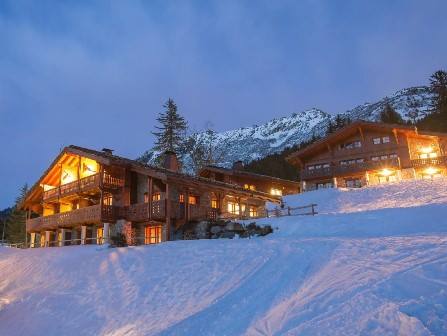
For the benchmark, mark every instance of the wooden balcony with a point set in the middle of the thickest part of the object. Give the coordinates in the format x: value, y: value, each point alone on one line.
x: 88, y: 215
x: 85, y: 184
x: 430, y: 162
x: 366, y: 166
x: 307, y: 174
x: 340, y: 170
x: 140, y: 212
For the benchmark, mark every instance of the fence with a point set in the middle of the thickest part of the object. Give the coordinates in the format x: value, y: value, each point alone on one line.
x: 306, y: 210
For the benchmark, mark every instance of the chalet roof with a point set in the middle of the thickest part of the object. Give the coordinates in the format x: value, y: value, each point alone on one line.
x: 107, y: 158
x: 352, y: 129
x: 238, y: 172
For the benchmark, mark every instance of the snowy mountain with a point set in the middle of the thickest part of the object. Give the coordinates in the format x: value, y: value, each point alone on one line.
x: 372, y: 262
x: 250, y: 143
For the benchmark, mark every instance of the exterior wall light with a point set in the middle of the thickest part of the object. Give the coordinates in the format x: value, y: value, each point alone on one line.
x: 431, y: 171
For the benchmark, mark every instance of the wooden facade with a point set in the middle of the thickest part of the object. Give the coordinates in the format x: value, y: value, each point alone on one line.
x: 88, y: 195
x: 251, y: 181
x: 370, y: 153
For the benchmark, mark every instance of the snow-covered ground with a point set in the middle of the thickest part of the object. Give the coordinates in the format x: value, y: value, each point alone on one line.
x: 372, y: 262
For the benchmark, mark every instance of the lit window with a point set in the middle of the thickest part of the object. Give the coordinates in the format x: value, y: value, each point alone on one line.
x: 432, y: 155
x: 107, y: 200
x: 214, y: 204
x: 193, y: 200
x: 246, y: 186
x: 233, y: 208
x: 253, y: 212
x: 252, y: 187
x: 376, y: 141
x: 181, y: 198
x: 99, y: 235
x: 156, y: 197
x: 276, y: 192
x: 423, y: 156
x: 385, y: 139
x: 152, y: 234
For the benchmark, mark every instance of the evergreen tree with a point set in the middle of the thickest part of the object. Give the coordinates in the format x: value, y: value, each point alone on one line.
x: 413, y: 111
x: 15, y: 231
x: 438, y: 85
x: 389, y: 115
x: 172, y: 129
x: 339, y: 122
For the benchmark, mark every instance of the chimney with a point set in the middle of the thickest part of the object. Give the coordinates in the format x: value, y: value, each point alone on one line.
x: 238, y: 165
x: 171, y: 161
x: 107, y: 151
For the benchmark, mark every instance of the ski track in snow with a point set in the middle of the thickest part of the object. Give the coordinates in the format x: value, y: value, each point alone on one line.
x: 378, y: 269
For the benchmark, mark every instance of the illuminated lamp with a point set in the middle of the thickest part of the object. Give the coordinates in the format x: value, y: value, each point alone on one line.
x: 386, y: 172
x: 431, y: 171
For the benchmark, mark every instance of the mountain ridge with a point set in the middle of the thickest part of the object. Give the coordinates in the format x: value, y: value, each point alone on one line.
x: 255, y: 142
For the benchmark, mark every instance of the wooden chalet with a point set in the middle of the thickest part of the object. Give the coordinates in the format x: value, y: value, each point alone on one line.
x: 250, y: 181
x: 87, y: 195
x: 365, y: 153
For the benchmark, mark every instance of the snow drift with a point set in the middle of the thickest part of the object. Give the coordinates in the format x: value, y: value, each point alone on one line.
x: 373, y: 262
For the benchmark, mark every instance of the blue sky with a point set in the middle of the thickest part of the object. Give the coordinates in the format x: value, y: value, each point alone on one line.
x: 95, y: 73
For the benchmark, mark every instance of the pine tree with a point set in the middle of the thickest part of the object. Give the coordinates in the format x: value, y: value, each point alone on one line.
x: 389, y: 115
x: 438, y: 85
x: 172, y: 129
x: 15, y: 231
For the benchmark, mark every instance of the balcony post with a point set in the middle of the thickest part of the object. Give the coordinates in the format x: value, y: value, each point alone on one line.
x: 106, y: 233
x: 47, y: 238
x: 62, y: 237
x: 32, y: 239
x: 83, y: 234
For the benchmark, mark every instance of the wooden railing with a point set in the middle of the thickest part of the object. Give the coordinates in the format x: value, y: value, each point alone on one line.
x: 89, y: 214
x: 84, y: 184
x: 348, y: 169
x: 140, y: 211
x: 437, y: 161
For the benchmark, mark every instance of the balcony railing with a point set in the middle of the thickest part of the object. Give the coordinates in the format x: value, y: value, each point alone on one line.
x: 367, y: 165
x: 422, y: 163
x: 349, y: 169
x: 88, y: 215
x: 84, y: 184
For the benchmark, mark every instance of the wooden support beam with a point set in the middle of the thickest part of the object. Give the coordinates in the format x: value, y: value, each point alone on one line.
x: 150, y: 192
x: 361, y: 134
x: 168, y: 213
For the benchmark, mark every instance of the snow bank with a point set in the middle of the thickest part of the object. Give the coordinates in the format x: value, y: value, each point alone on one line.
x: 377, y: 271
x: 409, y: 193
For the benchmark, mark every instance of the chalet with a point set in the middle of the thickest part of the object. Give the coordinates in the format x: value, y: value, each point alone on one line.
x: 250, y: 181
x: 85, y: 196
x: 365, y: 153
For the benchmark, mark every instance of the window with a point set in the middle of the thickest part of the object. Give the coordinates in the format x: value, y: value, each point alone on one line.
x: 324, y: 185
x: 375, y: 158
x: 383, y: 157
x: 107, y: 200
x: 326, y: 165
x: 193, y: 200
x: 393, y: 156
x: 233, y: 208
x: 146, y: 197
x: 249, y: 186
x: 156, y: 196
x: 351, y: 162
x: 276, y: 192
x: 214, y: 204
x: 311, y: 167
x: 99, y: 236
x: 152, y: 234
x: 252, y: 187
x: 253, y: 212
x: 351, y: 145
x: 353, y: 183
x: 246, y: 186
x: 376, y: 141
x: 181, y: 198
x: 385, y: 139
x: 361, y: 160
x: 318, y: 166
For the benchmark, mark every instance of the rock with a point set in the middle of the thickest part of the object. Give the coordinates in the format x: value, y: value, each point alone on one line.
x: 234, y: 227
x: 216, y: 229
x: 227, y: 234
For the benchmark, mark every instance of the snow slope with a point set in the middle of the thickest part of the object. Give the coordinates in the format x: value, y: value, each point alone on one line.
x: 376, y: 269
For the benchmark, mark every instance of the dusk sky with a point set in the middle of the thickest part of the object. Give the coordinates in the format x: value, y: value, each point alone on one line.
x: 96, y: 74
